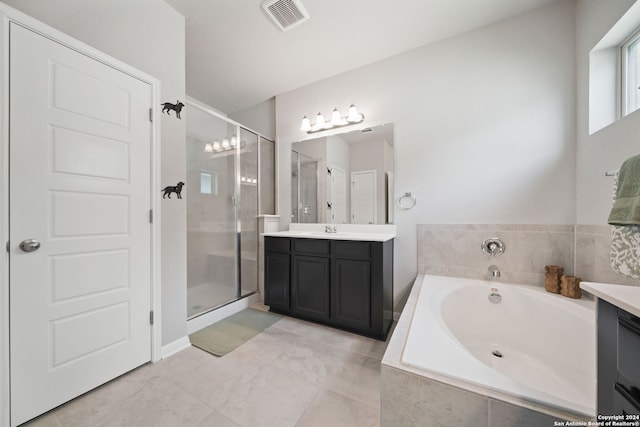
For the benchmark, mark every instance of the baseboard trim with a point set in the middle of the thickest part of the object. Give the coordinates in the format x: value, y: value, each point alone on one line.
x: 175, y: 347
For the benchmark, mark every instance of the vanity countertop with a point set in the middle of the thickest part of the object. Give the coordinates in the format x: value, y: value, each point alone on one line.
x: 624, y: 296
x: 340, y: 235
x: 362, y: 232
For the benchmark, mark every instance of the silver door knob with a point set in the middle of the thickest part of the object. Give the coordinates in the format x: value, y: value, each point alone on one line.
x: 29, y: 245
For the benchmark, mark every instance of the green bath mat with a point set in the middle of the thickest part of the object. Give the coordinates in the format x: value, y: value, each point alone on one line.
x: 228, y: 334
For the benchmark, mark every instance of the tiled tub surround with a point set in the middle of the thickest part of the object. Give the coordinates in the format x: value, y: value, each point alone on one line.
x: 454, y: 250
x: 412, y: 397
x: 408, y: 396
x: 593, y: 256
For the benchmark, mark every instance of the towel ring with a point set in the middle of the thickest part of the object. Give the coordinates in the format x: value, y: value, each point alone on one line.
x: 406, y: 201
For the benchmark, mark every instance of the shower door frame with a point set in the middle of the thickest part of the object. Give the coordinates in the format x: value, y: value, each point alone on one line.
x: 237, y: 196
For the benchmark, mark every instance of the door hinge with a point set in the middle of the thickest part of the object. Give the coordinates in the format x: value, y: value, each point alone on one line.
x: 151, y: 115
x: 151, y: 216
x: 151, y: 317
x: 8, y: 246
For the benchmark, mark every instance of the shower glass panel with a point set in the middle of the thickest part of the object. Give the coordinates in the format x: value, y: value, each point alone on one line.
x: 248, y: 212
x: 304, y: 188
x: 267, y: 179
x: 212, y: 264
x: 294, y: 187
x: 308, y: 190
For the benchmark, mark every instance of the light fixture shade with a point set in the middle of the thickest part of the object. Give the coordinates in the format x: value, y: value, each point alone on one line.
x: 336, y: 119
x: 216, y: 145
x: 234, y: 141
x: 306, y: 124
x: 208, y: 148
x: 354, y: 116
x: 225, y: 144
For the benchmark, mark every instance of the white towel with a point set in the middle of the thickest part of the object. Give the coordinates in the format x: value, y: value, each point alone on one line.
x: 625, y: 246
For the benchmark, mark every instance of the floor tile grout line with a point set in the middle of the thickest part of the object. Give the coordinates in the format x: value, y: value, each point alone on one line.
x: 308, y: 406
x: 350, y: 397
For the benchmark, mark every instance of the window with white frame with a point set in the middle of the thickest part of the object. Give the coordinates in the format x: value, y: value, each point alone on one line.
x: 630, y: 81
x: 209, y: 183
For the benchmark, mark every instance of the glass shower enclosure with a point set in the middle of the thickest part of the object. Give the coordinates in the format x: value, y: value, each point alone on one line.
x: 304, y: 188
x: 223, y: 193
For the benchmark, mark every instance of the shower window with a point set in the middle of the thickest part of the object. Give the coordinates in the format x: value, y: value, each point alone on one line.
x: 630, y: 82
x: 209, y: 183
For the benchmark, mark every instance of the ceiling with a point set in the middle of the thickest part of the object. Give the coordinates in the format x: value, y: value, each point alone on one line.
x: 237, y: 57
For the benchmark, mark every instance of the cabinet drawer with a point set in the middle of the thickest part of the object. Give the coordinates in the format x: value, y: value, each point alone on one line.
x: 276, y: 244
x: 353, y: 250
x: 312, y: 246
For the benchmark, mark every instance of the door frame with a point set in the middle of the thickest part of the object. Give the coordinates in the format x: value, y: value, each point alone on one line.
x: 346, y: 201
x: 10, y: 15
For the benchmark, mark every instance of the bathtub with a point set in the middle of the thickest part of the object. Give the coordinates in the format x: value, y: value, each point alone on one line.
x: 532, y: 347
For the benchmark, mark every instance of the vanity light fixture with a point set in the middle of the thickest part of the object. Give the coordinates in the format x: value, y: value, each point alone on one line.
x: 226, y: 145
x: 336, y: 120
x: 248, y: 180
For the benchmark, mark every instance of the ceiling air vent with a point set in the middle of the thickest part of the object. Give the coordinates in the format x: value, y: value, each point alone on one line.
x: 285, y: 13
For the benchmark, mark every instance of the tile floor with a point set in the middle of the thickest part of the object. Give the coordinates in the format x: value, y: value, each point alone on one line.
x: 294, y: 373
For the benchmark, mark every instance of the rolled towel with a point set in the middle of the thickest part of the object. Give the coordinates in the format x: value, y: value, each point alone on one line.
x: 626, y: 207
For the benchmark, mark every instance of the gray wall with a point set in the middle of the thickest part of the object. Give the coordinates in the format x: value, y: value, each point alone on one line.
x: 260, y: 118
x: 484, y: 126
x: 609, y: 147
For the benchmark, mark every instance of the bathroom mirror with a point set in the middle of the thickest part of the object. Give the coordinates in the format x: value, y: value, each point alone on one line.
x: 345, y: 178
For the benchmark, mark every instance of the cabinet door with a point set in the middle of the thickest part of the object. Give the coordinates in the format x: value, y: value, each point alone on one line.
x: 276, y: 280
x: 352, y: 293
x: 310, y: 287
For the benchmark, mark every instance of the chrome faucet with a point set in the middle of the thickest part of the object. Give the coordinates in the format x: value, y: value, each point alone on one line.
x: 330, y: 229
x: 495, y: 272
x: 495, y: 296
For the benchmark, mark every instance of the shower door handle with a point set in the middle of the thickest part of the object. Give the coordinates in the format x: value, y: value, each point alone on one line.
x: 29, y: 245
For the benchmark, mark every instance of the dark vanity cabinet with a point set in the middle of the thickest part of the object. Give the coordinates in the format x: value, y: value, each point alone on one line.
x: 618, y: 361
x: 341, y: 283
x: 277, y: 266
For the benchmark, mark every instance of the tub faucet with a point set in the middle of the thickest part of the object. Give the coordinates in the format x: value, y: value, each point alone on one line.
x: 495, y: 272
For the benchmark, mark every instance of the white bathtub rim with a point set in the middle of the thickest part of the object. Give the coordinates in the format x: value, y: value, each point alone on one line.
x: 473, y: 371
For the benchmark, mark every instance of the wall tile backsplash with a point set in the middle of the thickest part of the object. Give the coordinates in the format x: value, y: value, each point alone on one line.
x: 454, y: 250
x: 593, y: 263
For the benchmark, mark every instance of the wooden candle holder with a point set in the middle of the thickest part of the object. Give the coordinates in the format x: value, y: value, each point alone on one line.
x: 552, y: 278
x: 570, y: 287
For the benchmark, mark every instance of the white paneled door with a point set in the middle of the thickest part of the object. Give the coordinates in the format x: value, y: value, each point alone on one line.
x: 80, y: 248
x: 363, y: 197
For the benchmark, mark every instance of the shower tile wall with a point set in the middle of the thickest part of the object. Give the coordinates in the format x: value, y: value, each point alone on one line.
x: 454, y: 250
